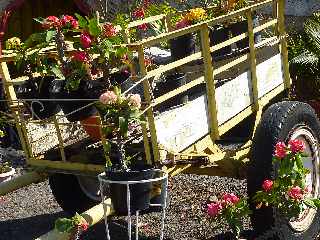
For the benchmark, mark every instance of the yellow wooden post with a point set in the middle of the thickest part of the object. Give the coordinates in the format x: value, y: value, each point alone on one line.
x: 209, y: 78
x: 4, y: 72
x: 253, y: 64
x: 283, y: 43
x: 60, y: 138
x: 147, y: 95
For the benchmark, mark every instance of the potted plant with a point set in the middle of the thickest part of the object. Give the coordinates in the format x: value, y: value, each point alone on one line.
x: 34, y: 91
x: 185, y: 45
x: 73, y: 227
x: 6, y: 172
x: 120, y: 116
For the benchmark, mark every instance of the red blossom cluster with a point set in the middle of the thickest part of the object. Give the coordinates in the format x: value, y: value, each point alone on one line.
x: 65, y: 21
x: 80, y: 56
x: 139, y: 13
x: 295, y: 146
x: 215, y: 208
x: 85, y: 39
x: 109, y: 30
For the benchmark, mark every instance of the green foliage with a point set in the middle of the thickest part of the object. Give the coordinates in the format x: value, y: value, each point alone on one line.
x: 67, y: 225
x: 5, y: 167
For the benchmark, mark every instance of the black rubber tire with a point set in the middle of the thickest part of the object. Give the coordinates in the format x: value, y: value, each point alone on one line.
x: 277, y: 124
x: 68, y: 193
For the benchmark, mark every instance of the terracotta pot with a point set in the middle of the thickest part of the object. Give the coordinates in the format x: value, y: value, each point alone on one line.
x: 4, y: 177
x: 91, y: 126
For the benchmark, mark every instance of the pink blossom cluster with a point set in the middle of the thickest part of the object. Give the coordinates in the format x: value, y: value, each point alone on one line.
x: 64, y: 21
x: 215, y: 208
x: 139, y: 13
x: 109, y: 97
x: 182, y: 23
x: 134, y: 100
x: 85, y: 39
x: 295, y: 146
x: 80, y: 56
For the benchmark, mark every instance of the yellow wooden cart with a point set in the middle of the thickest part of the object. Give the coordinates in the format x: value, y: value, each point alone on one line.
x: 230, y: 130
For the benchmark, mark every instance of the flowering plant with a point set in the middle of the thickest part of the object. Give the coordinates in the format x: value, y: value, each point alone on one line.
x: 192, y: 16
x: 73, y: 226
x: 289, y: 191
x: 118, y: 114
x: 231, y: 209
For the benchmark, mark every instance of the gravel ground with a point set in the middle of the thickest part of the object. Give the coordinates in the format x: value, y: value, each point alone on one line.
x: 30, y: 212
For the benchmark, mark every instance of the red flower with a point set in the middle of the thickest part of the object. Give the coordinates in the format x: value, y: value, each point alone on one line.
x: 296, y: 146
x: 109, y: 30
x: 138, y: 13
x: 214, y: 209
x: 295, y: 193
x: 50, y: 22
x: 182, y: 23
x: 281, y: 150
x: 147, y: 62
x: 143, y: 27
x: 66, y: 19
x: 229, y: 198
x: 267, y: 185
x: 80, y: 56
x: 74, y: 24
x: 85, y: 40
x: 84, y: 226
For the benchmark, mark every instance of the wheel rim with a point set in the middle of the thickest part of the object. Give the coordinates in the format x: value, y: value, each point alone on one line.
x: 304, y: 134
x: 90, y: 187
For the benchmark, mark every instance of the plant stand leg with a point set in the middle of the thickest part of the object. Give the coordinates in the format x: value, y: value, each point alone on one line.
x: 104, y: 210
x: 129, y: 211
x: 137, y: 225
x: 164, y: 206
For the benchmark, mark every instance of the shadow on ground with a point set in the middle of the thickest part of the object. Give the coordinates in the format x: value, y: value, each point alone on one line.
x: 33, y: 227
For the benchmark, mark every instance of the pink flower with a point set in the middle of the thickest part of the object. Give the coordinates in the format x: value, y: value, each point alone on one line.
x: 146, y: 3
x: 84, y: 226
x: 138, y: 13
x: 109, y: 30
x: 295, y: 193
x: 267, y: 185
x: 80, y: 56
x: 308, y: 189
x: 50, y: 22
x: 143, y: 27
x: 74, y: 24
x: 296, y: 146
x: 108, y: 97
x: 66, y: 19
x: 135, y: 100
x: 214, y: 209
x: 85, y: 40
x: 182, y: 23
x: 281, y: 150
x: 229, y: 198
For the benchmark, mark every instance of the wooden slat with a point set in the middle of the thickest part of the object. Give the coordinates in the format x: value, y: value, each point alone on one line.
x: 265, y: 25
x: 173, y: 65
x: 229, y: 42
x: 178, y: 90
x: 231, y: 64
x: 146, y: 20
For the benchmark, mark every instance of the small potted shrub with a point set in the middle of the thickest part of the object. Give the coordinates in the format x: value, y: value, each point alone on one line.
x: 6, y: 172
x: 185, y: 45
x: 120, y: 116
x: 35, y: 91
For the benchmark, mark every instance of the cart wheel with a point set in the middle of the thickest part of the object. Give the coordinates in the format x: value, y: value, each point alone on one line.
x: 75, y: 193
x: 281, y: 122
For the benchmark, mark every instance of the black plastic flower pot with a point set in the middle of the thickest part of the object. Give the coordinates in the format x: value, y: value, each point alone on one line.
x: 182, y: 46
x: 38, y: 88
x: 140, y: 193
x: 242, y: 27
x: 217, y: 35
x: 73, y: 103
x: 170, y: 83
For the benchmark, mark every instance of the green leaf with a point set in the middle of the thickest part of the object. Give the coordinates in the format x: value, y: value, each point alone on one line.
x: 39, y: 20
x: 94, y: 27
x: 50, y: 35
x: 310, y: 203
x: 57, y: 72
x: 123, y: 124
x: 64, y: 225
x: 83, y: 23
